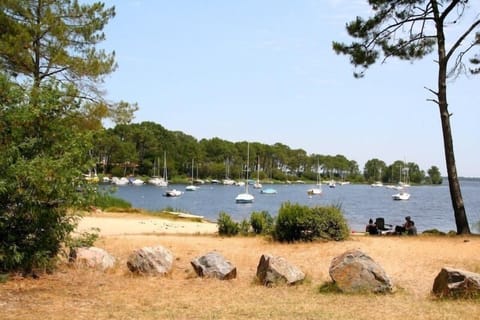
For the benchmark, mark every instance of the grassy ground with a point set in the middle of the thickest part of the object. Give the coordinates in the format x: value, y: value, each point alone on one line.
x: 411, y: 262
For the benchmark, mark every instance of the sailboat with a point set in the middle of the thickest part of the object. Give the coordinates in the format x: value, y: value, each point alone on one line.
x: 191, y: 187
x: 227, y: 181
x: 160, y: 181
x: 318, y: 190
x: 402, y: 192
x: 245, y: 197
x: 257, y: 184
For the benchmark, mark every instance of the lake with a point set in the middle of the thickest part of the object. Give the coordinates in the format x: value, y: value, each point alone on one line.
x: 429, y: 206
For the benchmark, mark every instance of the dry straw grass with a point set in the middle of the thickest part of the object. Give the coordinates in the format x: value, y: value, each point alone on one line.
x: 411, y: 262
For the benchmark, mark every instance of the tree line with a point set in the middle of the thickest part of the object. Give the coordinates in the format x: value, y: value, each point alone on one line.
x: 139, y: 148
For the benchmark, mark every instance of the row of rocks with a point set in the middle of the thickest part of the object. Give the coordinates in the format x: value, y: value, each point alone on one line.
x: 351, y: 272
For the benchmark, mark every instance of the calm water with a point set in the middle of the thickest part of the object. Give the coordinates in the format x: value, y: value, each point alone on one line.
x: 429, y: 206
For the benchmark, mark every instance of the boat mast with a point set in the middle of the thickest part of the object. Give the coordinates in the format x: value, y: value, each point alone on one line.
x: 246, y: 175
x: 165, y: 166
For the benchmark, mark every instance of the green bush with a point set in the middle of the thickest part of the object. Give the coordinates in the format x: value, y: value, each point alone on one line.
x: 244, y: 227
x: 106, y: 200
x: 298, y: 222
x: 332, y: 223
x: 261, y: 222
x: 226, y: 226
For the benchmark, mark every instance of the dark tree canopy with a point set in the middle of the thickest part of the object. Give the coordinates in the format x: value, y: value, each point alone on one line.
x: 410, y: 30
x: 44, y: 39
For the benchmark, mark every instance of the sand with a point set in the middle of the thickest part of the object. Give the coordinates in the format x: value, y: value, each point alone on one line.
x: 111, y: 224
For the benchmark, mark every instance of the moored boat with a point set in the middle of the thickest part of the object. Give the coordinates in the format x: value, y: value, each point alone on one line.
x: 173, y: 193
x: 245, y: 197
x: 402, y: 195
x: 268, y: 191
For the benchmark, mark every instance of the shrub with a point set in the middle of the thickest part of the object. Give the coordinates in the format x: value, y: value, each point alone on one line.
x: 106, y: 200
x: 297, y: 222
x: 226, y: 226
x: 261, y: 222
x: 244, y: 227
x: 435, y: 232
x: 332, y: 224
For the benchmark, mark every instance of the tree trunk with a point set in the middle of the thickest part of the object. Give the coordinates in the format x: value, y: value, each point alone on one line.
x: 454, y: 185
x: 455, y: 192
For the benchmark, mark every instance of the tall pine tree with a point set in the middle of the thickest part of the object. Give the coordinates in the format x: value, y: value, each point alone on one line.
x: 411, y: 30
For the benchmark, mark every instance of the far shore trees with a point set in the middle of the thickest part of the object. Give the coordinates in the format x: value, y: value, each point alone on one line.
x: 411, y: 30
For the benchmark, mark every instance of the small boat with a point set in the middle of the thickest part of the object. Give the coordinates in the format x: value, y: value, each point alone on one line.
x: 257, y: 184
x: 173, y: 193
x: 228, y: 182
x: 377, y: 184
x: 268, y: 191
x: 160, y: 181
x: 245, y: 197
x: 402, y: 195
x: 332, y: 184
x: 191, y: 187
x: 136, y: 181
x: 120, y: 181
x: 316, y: 191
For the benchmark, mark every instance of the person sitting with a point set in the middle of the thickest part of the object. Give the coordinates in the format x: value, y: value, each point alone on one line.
x: 371, y: 227
x: 408, y: 226
x: 411, y: 230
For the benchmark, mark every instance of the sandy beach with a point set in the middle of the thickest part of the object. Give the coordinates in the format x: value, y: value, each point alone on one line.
x: 111, y: 224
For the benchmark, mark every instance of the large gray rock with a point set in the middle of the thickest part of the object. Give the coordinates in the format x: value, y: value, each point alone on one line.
x: 214, y: 265
x: 274, y: 270
x: 150, y: 261
x: 354, y: 271
x: 92, y: 257
x: 456, y: 283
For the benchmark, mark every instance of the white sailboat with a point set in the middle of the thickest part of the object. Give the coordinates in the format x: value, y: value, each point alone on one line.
x: 245, y: 197
x: 402, y: 192
x: 160, y: 181
x: 257, y: 184
x: 191, y: 187
x: 173, y: 193
x: 227, y: 181
x: 316, y: 191
x: 401, y: 195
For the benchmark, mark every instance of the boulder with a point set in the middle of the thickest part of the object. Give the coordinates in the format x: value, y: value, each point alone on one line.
x: 274, y: 270
x: 92, y: 257
x: 214, y: 265
x: 150, y: 261
x: 354, y: 271
x: 456, y: 283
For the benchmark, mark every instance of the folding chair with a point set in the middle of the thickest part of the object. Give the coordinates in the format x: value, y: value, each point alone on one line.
x: 382, y: 226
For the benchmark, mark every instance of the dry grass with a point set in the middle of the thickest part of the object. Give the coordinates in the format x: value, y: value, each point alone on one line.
x: 411, y: 262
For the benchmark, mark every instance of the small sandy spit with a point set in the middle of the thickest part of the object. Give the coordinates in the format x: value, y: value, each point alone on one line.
x: 111, y: 223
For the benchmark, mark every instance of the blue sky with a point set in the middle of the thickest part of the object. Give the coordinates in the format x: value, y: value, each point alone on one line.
x: 264, y: 71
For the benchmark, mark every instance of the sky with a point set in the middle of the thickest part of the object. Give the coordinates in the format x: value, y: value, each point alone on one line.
x: 264, y: 71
